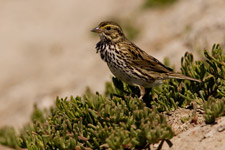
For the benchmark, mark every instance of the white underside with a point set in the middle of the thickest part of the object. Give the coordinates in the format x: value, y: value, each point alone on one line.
x: 127, y: 78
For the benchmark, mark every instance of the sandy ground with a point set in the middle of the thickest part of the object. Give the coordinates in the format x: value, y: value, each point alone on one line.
x: 199, y: 136
x: 47, y: 49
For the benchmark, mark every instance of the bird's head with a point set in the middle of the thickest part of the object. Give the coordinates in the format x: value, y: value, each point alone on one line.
x: 109, y: 31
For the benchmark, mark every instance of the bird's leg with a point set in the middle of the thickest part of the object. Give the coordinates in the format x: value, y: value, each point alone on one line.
x: 142, y: 91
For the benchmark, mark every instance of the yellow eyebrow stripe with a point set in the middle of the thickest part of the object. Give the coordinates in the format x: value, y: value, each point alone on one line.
x: 109, y: 25
x: 105, y: 26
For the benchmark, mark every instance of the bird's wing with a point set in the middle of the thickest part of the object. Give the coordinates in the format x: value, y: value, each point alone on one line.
x: 146, y: 63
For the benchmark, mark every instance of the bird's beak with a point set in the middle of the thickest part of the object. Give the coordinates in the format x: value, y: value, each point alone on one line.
x: 96, y: 30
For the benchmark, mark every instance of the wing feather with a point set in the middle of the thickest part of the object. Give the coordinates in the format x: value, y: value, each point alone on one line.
x: 144, y: 61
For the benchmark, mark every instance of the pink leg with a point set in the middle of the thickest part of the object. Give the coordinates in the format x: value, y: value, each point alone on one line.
x: 142, y: 91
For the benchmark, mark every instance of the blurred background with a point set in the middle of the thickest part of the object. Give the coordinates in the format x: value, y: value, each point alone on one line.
x: 47, y: 49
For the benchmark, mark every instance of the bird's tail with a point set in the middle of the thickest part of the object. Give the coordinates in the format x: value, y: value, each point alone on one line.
x: 180, y: 76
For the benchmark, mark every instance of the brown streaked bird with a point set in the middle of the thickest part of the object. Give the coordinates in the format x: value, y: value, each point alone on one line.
x: 128, y: 62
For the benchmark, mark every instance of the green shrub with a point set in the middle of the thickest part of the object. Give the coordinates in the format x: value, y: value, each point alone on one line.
x: 214, y: 108
x: 94, y: 122
x: 157, y: 3
x: 118, y: 119
x: 8, y: 137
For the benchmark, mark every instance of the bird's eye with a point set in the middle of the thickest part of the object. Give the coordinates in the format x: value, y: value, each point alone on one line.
x: 108, y: 28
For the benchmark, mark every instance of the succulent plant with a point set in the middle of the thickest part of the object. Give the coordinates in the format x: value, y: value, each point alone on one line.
x: 118, y: 119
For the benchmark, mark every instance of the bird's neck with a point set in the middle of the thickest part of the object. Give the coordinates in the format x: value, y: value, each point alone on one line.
x: 112, y: 39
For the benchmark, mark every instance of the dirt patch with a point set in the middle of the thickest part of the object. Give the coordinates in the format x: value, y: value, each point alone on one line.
x: 182, y: 120
x: 201, y: 137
